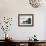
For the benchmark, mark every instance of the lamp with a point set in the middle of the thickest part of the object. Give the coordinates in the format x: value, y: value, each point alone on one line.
x: 36, y: 3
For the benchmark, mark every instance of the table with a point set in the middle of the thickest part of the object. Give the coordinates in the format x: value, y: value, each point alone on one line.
x: 27, y: 42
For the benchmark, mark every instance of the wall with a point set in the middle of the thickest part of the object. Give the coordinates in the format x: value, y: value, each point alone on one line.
x: 11, y: 8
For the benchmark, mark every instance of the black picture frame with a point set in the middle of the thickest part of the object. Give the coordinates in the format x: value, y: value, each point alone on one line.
x: 25, y: 20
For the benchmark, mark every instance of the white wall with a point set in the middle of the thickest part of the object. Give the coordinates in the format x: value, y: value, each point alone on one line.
x: 11, y: 8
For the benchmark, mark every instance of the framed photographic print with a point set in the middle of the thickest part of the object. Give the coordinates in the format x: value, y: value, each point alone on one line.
x: 25, y: 20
